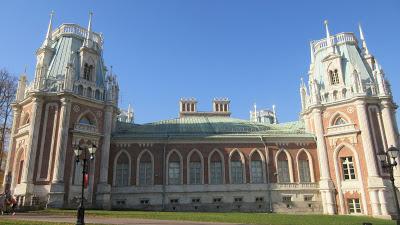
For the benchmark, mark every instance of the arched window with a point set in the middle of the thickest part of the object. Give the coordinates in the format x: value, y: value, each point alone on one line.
x: 256, y: 168
x: 216, y: 174
x: 348, y: 170
x: 195, y: 167
x: 174, y: 168
x: 304, y: 167
x: 145, y: 169
x: 80, y: 90
x: 340, y: 121
x: 334, y: 77
x: 86, y: 72
x: 20, y: 169
x: 97, y: 95
x: 89, y: 92
x: 283, y: 168
x: 236, y: 168
x: 122, y: 170
x: 85, y: 120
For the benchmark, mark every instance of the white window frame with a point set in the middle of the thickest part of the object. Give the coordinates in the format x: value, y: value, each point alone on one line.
x: 347, y: 167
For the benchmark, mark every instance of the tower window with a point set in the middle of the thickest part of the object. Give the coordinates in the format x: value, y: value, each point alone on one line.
x: 87, y: 72
x: 348, y: 168
x: 334, y: 77
x: 340, y: 121
x: 354, y: 205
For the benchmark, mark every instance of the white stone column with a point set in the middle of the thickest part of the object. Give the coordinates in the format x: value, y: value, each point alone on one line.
x: 62, y: 141
x: 103, y: 195
x: 382, y: 200
x: 388, y: 123
x: 11, y: 149
x: 105, y: 150
x: 326, y: 184
x: 369, y: 152
x: 32, y: 143
x: 373, y: 194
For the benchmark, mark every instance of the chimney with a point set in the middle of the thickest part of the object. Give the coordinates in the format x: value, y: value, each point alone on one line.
x: 221, y: 106
x: 187, y: 106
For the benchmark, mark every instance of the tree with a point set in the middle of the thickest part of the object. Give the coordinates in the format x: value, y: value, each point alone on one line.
x: 8, y: 89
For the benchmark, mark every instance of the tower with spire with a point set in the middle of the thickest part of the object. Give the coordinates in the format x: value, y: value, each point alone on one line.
x: 348, y: 106
x: 72, y: 100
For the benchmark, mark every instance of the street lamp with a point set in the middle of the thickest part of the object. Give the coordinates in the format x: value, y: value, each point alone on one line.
x: 388, y: 161
x: 78, y: 152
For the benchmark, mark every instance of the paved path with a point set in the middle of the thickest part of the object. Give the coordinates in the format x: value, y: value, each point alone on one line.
x: 103, y: 220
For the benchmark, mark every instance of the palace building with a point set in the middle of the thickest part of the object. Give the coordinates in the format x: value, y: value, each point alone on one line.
x: 326, y: 162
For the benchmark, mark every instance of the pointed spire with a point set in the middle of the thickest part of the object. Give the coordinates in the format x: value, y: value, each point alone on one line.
x: 364, y: 43
x: 89, y: 30
x: 312, y: 52
x: 328, y: 38
x: 47, y: 41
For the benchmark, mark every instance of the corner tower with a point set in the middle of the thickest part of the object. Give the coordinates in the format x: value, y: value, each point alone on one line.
x: 72, y: 100
x: 348, y: 105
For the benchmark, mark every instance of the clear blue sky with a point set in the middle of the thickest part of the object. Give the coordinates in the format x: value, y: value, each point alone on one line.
x: 249, y: 51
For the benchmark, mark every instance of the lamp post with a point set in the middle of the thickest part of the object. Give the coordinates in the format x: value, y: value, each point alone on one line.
x: 388, y: 161
x: 78, y: 152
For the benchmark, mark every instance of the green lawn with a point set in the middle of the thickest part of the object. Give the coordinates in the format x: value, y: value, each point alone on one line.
x: 244, y: 218
x: 19, y: 222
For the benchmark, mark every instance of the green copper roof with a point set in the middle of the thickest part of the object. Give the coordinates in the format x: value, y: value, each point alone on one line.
x: 209, y: 126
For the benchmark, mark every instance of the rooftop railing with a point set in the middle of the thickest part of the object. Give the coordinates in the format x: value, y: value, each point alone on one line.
x: 335, y: 39
x: 77, y: 30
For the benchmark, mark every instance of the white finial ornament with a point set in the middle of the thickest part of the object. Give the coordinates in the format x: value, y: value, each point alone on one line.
x: 47, y: 41
x: 328, y: 38
x: 362, y: 38
x: 89, y: 30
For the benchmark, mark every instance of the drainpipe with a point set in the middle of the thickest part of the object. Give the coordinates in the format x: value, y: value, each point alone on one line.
x: 268, y: 182
x: 164, y: 174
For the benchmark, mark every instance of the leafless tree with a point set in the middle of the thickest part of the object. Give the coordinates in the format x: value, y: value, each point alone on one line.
x: 8, y: 89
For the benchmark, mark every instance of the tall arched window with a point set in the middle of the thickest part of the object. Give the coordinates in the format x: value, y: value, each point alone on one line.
x: 304, y: 167
x: 256, y: 168
x: 20, y: 169
x: 87, y: 70
x: 145, y: 169
x: 85, y: 120
x: 174, y: 168
x: 122, y: 170
x: 89, y: 92
x: 283, y: 168
x: 236, y: 168
x: 334, y: 77
x: 97, y: 95
x: 80, y: 90
x: 216, y: 174
x: 195, y: 167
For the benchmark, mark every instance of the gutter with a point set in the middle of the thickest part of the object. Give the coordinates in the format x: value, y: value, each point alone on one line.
x: 164, y: 173
x: 268, y: 181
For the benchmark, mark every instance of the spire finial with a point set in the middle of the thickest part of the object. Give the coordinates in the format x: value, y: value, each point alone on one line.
x: 89, y: 30
x: 328, y: 37
x: 364, y: 43
x: 47, y: 41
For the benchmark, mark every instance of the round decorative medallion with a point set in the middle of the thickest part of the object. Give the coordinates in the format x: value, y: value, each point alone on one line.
x: 350, y: 109
x: 77, y: 108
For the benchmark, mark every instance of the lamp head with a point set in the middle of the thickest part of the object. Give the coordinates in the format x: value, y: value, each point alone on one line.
x: 381, y: 156
x: 77, y: 150
x: 393, y: 152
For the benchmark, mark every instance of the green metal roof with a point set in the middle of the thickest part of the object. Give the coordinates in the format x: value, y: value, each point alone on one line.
x: 209, y: 126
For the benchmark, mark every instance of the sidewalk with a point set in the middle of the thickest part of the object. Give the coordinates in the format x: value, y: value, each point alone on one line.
x: 102, y: 220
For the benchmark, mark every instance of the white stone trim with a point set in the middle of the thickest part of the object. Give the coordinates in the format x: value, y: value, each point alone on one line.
x: 88, y: 111
x: 138, y: 166
x: 336, y: 115
x: 310, y: 164
x: 115, y: 166
x: 339, y: 178
x: 167, y: 165
x: 188, y: 166
x: 290, y: 162
x: 263, y: 164
x: 222, y: 161
x: 242, y: 159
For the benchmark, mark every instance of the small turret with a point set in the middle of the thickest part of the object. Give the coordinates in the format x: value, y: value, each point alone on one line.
x: 48, y: 41
x: 21, y: 88
x: 329, y: 41
x: 88, y: 39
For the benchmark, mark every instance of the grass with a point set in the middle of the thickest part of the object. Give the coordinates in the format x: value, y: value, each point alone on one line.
x: 21, y: 222
x: 243, y: 218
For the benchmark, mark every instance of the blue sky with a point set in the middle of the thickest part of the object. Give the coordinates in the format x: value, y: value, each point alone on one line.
x: 249, y: 51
